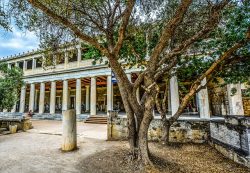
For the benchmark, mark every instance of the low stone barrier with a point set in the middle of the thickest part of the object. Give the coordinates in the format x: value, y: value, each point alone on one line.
x: 22, y: 123
x: 184, y: 130
x: 231, y: 137
x: 57, y: 117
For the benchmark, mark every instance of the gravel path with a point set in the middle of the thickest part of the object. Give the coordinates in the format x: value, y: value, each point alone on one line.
x: 38, y: 151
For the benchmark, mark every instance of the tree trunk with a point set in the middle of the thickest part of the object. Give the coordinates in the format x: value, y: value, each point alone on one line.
x: 166, y: 132
x: 143, y: 131
x: 132, y: 135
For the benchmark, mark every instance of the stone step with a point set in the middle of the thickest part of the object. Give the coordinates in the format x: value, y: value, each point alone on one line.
x: 96, y: 120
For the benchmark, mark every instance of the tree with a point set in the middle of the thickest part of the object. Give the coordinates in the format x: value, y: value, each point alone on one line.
x: 10, y: 85
x: 4, y: 18
x: 117, y: 30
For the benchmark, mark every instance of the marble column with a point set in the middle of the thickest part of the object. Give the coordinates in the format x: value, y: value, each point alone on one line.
x: 66, y: 59
x: 129, y: 77
x: 174, y: 94
x: 24, y: 65
x: 33, y: 63
x: 235, y: 100
x: 13, y: 108
x: 36, y: 98
x: 79, y: 56
x: 22, y: 99
x: 78, y: 96
x: 52, y: 104
x: 41, y: 98
x: 69, y: 135
x: 93, y: 96
x: 169, y: 99
x: 109, y: 93
x: 65, y: 103
x: 138, y: 95
x: 32, y: 97
x: 87, y: 98
x: 203, y: 101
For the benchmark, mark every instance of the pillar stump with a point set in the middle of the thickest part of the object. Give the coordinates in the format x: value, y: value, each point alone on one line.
x: 69, y: 140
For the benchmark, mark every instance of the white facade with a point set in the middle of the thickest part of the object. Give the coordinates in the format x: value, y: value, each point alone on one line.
x: 37, y: 79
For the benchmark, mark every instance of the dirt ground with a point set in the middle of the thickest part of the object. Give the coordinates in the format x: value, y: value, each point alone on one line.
x: 38, y: 151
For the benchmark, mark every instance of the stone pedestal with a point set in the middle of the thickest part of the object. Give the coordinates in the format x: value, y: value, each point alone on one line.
x: 235, y: 100
x: 69, y: 139
x: 13, y: 128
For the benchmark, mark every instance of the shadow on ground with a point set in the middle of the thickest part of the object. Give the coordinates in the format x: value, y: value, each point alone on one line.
x: 182, y: 158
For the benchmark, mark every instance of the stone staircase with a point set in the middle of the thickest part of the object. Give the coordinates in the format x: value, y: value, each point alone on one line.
x: 97, y: 120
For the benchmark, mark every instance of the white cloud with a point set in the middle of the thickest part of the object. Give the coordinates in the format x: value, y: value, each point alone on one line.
x: 17, y: 42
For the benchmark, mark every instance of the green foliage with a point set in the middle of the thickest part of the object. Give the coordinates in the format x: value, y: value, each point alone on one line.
x: 232, y: 29
x: 92, y: 18
x: 10, y: 85
x: 134, y: 49
x: 90, y: 52
x: 4, y: 18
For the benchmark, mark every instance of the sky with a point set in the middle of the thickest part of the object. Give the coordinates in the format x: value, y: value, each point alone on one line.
x: 16, y: 42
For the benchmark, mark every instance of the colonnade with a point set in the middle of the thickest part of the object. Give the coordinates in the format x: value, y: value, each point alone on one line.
x: 90, y: 102
x: 36, y: 59
x: 235, y: 101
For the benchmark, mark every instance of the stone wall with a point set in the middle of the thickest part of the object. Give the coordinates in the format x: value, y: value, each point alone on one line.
x: 246, y: 106
x: 191, y: 130
x: 58, y: 117
x: 231, y: 137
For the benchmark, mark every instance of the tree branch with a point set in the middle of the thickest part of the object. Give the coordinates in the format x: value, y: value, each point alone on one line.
x: 211, y: 24
x: 209, y: 71
x: 168, y: 32
x: 123, y: 27
x: 69, y: 25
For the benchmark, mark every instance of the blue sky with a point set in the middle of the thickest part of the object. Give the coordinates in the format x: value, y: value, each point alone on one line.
x: 16, y: 42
